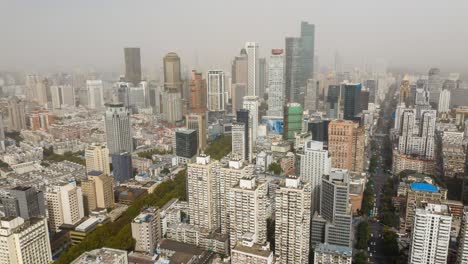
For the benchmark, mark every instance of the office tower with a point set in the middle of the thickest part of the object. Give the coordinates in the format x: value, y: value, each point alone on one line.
x: 62, y: 96
x: 24, y: 241
x: 197, y: 121
x: 243, y: 117
x: 64, y: 205
x: 434, y: 84
x: 371, y: 86
x: 171, y: 106
x: 292, y: 120
x: 186, y: 143
x: 137, y: 95
x: 333, y: 254
x: 24, y: 202
x: 197, y: 93
x: 335, y: 208
x: 292, y: 69
x: 251, y: 103
x: 42, y: 86
x: 239, y: 141
x: 364, y: 101
x: 346, y: 145
x: 118, y: 130
x: 95, y: 92
x: 319, y: 130
x: 202, y: 192
x: 97, y: 158
x: 40, y: 120
x: 262, y: 73
x: 352, y: 94
x: 132, y: 65
x: 17, y: 114
x: 146, y: 230
x: 247, y: 204
x: 276, y: 91
x: 405, y: 91
x: 252, y: 69
x: 2, y: 134
x: 216, y: 94
x: 311, y: 95
x: 292, y: 202
x: 431, y: 235
x: 462, y: 252
x: 239, y: 70
x: 172, y: 72
x: 98, y: 191
x: 314, y: 163
x: 307, y: 50
x: 444, y: 101
x: 229, y: 176
x: 122, y: 169
x: 239, y: 91
x: 333, y: 101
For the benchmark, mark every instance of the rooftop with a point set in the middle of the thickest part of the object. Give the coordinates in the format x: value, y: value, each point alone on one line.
x: 334, y: 249
x: 95, y: 173
x: 255, y: 249
x: 423, y: 187
x: 101, y: 256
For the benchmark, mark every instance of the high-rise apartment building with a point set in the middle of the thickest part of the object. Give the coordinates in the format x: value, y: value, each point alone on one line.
x: 98, y: 191
x: 95, y: 92
x: 197, y: 121
x: 41, y: 120
x: 17, y: 114
x: 122, y: 169
x: 64, y: 205
x: 251, y: 103
x: 276, y: 89
x: 172, y: 73
x: 430, y: 237
x: 197, y: 93
x: 239, y: 141
x: 171, y: 106
x: 186, y: 143
x: 444, y: 101
x: 311, y: 95
x: 146, y: 230
x: 405, y: 91
x: 202, y: 192
x: 346, y: 145
x: 239, y: 70
x: 434, y: 84
x: 292, y: 203
x: 118, y: 130
x: 2, y: 134
x: 24, y: 202
x: 24, y: 241
x: 253, y: 68
x: 243, y: 117
x: 62, y: 96
x: 315, y: 162
x: 293, y: 118
x: 216, y: 94
x: 132, y: 65
x: 462, y: 252
x: 97, y: 158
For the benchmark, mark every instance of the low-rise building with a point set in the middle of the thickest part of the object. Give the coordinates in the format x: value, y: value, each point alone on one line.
x: 103, y: 255
x: 332, y: 254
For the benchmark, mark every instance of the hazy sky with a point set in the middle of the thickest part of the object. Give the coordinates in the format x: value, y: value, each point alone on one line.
x: 61, y: 34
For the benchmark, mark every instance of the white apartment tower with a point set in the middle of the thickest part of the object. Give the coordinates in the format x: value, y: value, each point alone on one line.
x: 171, y: 106
x: 202, y: 192
x: 315, y: 162
x: 118, y: 130
x: 431, y: 235
x: 444, y: 101
x: 462, y: 252
x: 95, y: 91
x: 252, y: 69
x: 293, y: 204
x: 24, y: 241
x: 62, y: 96
x: 97, y: 158
x: 276, y: 91
x: 239, y: 141
x: 247, y: 203
x: 251, y: 103
x: 311, y: 95
x: 146, y: 230
x: 64, y: 205
x: 216, y: 93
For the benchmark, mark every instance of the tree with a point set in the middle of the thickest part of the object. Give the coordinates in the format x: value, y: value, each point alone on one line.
x: 275, y: 168
x: 165, y: 171
x: 363, y: 235
x: 368, y: 198
x: 360, y: 258
x: 219, y: 147
x: 391, y: 250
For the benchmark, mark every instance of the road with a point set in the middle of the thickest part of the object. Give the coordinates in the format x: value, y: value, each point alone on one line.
x: 376, y: 246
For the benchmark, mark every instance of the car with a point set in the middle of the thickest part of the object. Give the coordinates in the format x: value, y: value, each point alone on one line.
x: 370, y: 254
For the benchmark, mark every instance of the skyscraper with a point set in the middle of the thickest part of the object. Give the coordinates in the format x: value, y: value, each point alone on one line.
x: 239, y: 71
x: 97, y: 158
x: 346, y: 145
x: 251, y: 103
x: 17, y: 114
x: 186, y: 143
x: 292, y: 120
x: 311, y: 95
x: 171, y: 106
x: 122, y: 169
x: 262, y: 74
x: 24, y: 202
x: 118, y: 131
x: 243, y: 117
x: 405, y: 91
x: 98, y: 191
x: 197, y: 121
x: 352, y: 95
x: 216, y: 94
x: 95, y: 91
x: 307, y: 50
x: 315, y: 162
x: 430, y: 237
x: 333, y: 101
x: 239, y: 141
x: 197, y: 93
x: 276, y: 91
x: 132, y: 65
x: 292, y: 202
x: 146, y: 230
x: 444, y: 101
x: 462, y: 252
x: 292, y: 69
x: 239, y: 91
x: 434, y: 84
x: 172, y: 73
x: 2, y: 133
x: 62, y: 96
x: 253, y: 69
